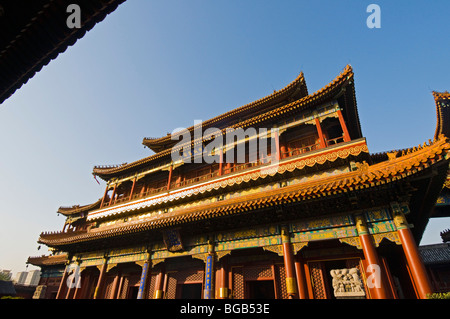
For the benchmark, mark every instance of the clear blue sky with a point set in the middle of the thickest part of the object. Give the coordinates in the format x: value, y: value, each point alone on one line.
x: 153, y: 66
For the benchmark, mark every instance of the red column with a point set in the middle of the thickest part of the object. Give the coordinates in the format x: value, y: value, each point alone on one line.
x: 104, y: 196
x: 113, y: 194
x: 170, y: 177
x: 228, y: 168
x: 277, y: 145
x: 142, y: 190
x: 320, y: 133
x: 301, y: 279
x: 415, y: 263
x: 343, y: 126
x: 79, y: 285
x: 370, y: 254
x: 223, y: 288
x: 115, y: 285
x: 220, y: 162
x: 132, y: 188
x: 291, y: 282
x: 99, y: 289
x: 159, y: 285
x: 282, y: 148
x: 63, y: 283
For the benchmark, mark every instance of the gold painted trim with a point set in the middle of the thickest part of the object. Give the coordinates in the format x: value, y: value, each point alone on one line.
x: 108, y: 267
x: 159, y: 294
x: 392, y: 236
x: 277, y: 249
x: 291, y: 286
x: 296, y: 247
x: 223, y: 292
x: 222, y: 253
x: 352, y: 241
x: 157, y: 261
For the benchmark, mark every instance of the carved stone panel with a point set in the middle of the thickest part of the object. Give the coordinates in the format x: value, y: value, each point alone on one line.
x: 347, y: 283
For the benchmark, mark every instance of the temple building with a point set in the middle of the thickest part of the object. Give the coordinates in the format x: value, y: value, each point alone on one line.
x: 312, y: 215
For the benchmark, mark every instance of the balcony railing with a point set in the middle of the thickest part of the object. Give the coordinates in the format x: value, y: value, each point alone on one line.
x: 225, y: 170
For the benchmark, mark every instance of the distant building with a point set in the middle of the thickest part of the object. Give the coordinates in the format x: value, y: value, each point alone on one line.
x: 28, y: 278
x: 32, y: 278
x: 20, y: 277
x: 437, y: 261
x: 5, y: 274
x: 52, y: 268
x: 7, y: 289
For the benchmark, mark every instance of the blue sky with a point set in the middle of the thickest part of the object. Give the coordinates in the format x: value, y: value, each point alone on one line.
x: 153, y: 66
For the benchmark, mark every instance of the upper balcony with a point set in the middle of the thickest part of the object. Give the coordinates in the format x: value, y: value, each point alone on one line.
x: 292, y: 138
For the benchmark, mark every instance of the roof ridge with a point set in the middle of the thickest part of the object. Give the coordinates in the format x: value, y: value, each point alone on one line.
x: 343, y: 75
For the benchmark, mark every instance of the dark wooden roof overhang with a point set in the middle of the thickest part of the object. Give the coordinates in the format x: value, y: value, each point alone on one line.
x: 45, y: 261
x: 442, y: 101
x: 35, y: 32
x: 78, y: 209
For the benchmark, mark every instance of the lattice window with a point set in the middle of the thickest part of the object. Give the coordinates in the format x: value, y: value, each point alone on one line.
x: 150, y: 294
x: 256, y: 273
x: 109, y: 282
x: 125, y: 285
x: 189, y: 276
x: 281, y: 282
x: 171, y: 287
x: 238, y: 283
x: 317, y: 282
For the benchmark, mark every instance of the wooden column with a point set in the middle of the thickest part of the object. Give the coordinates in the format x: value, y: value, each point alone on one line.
x: 115, y: 285
x: 370, y: 254
x: 119, y: 289
x: 112, y: 195
x: 277, y: 144
x: 170, y: 177
x: 283, y: 150
x: 78, y: 283
x: 132, y: 188
x: 142, y: 190
x: 223, y: 288
x: 301, y: 278
x: 343, y: 126
x: 320, y: 133
x: 220, y: 162
x: 63, y: 283
x: 159, y: 285
x: 415, y: 263
x: 104, y: 196
x: 101, y: 280
x: 228, y: 168
x: 291, y: 281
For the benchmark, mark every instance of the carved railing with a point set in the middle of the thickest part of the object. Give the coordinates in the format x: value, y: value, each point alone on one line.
x: 233, y: 168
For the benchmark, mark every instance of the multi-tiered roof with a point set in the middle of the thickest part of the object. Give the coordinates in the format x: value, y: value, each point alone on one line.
x: 415, y: 174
